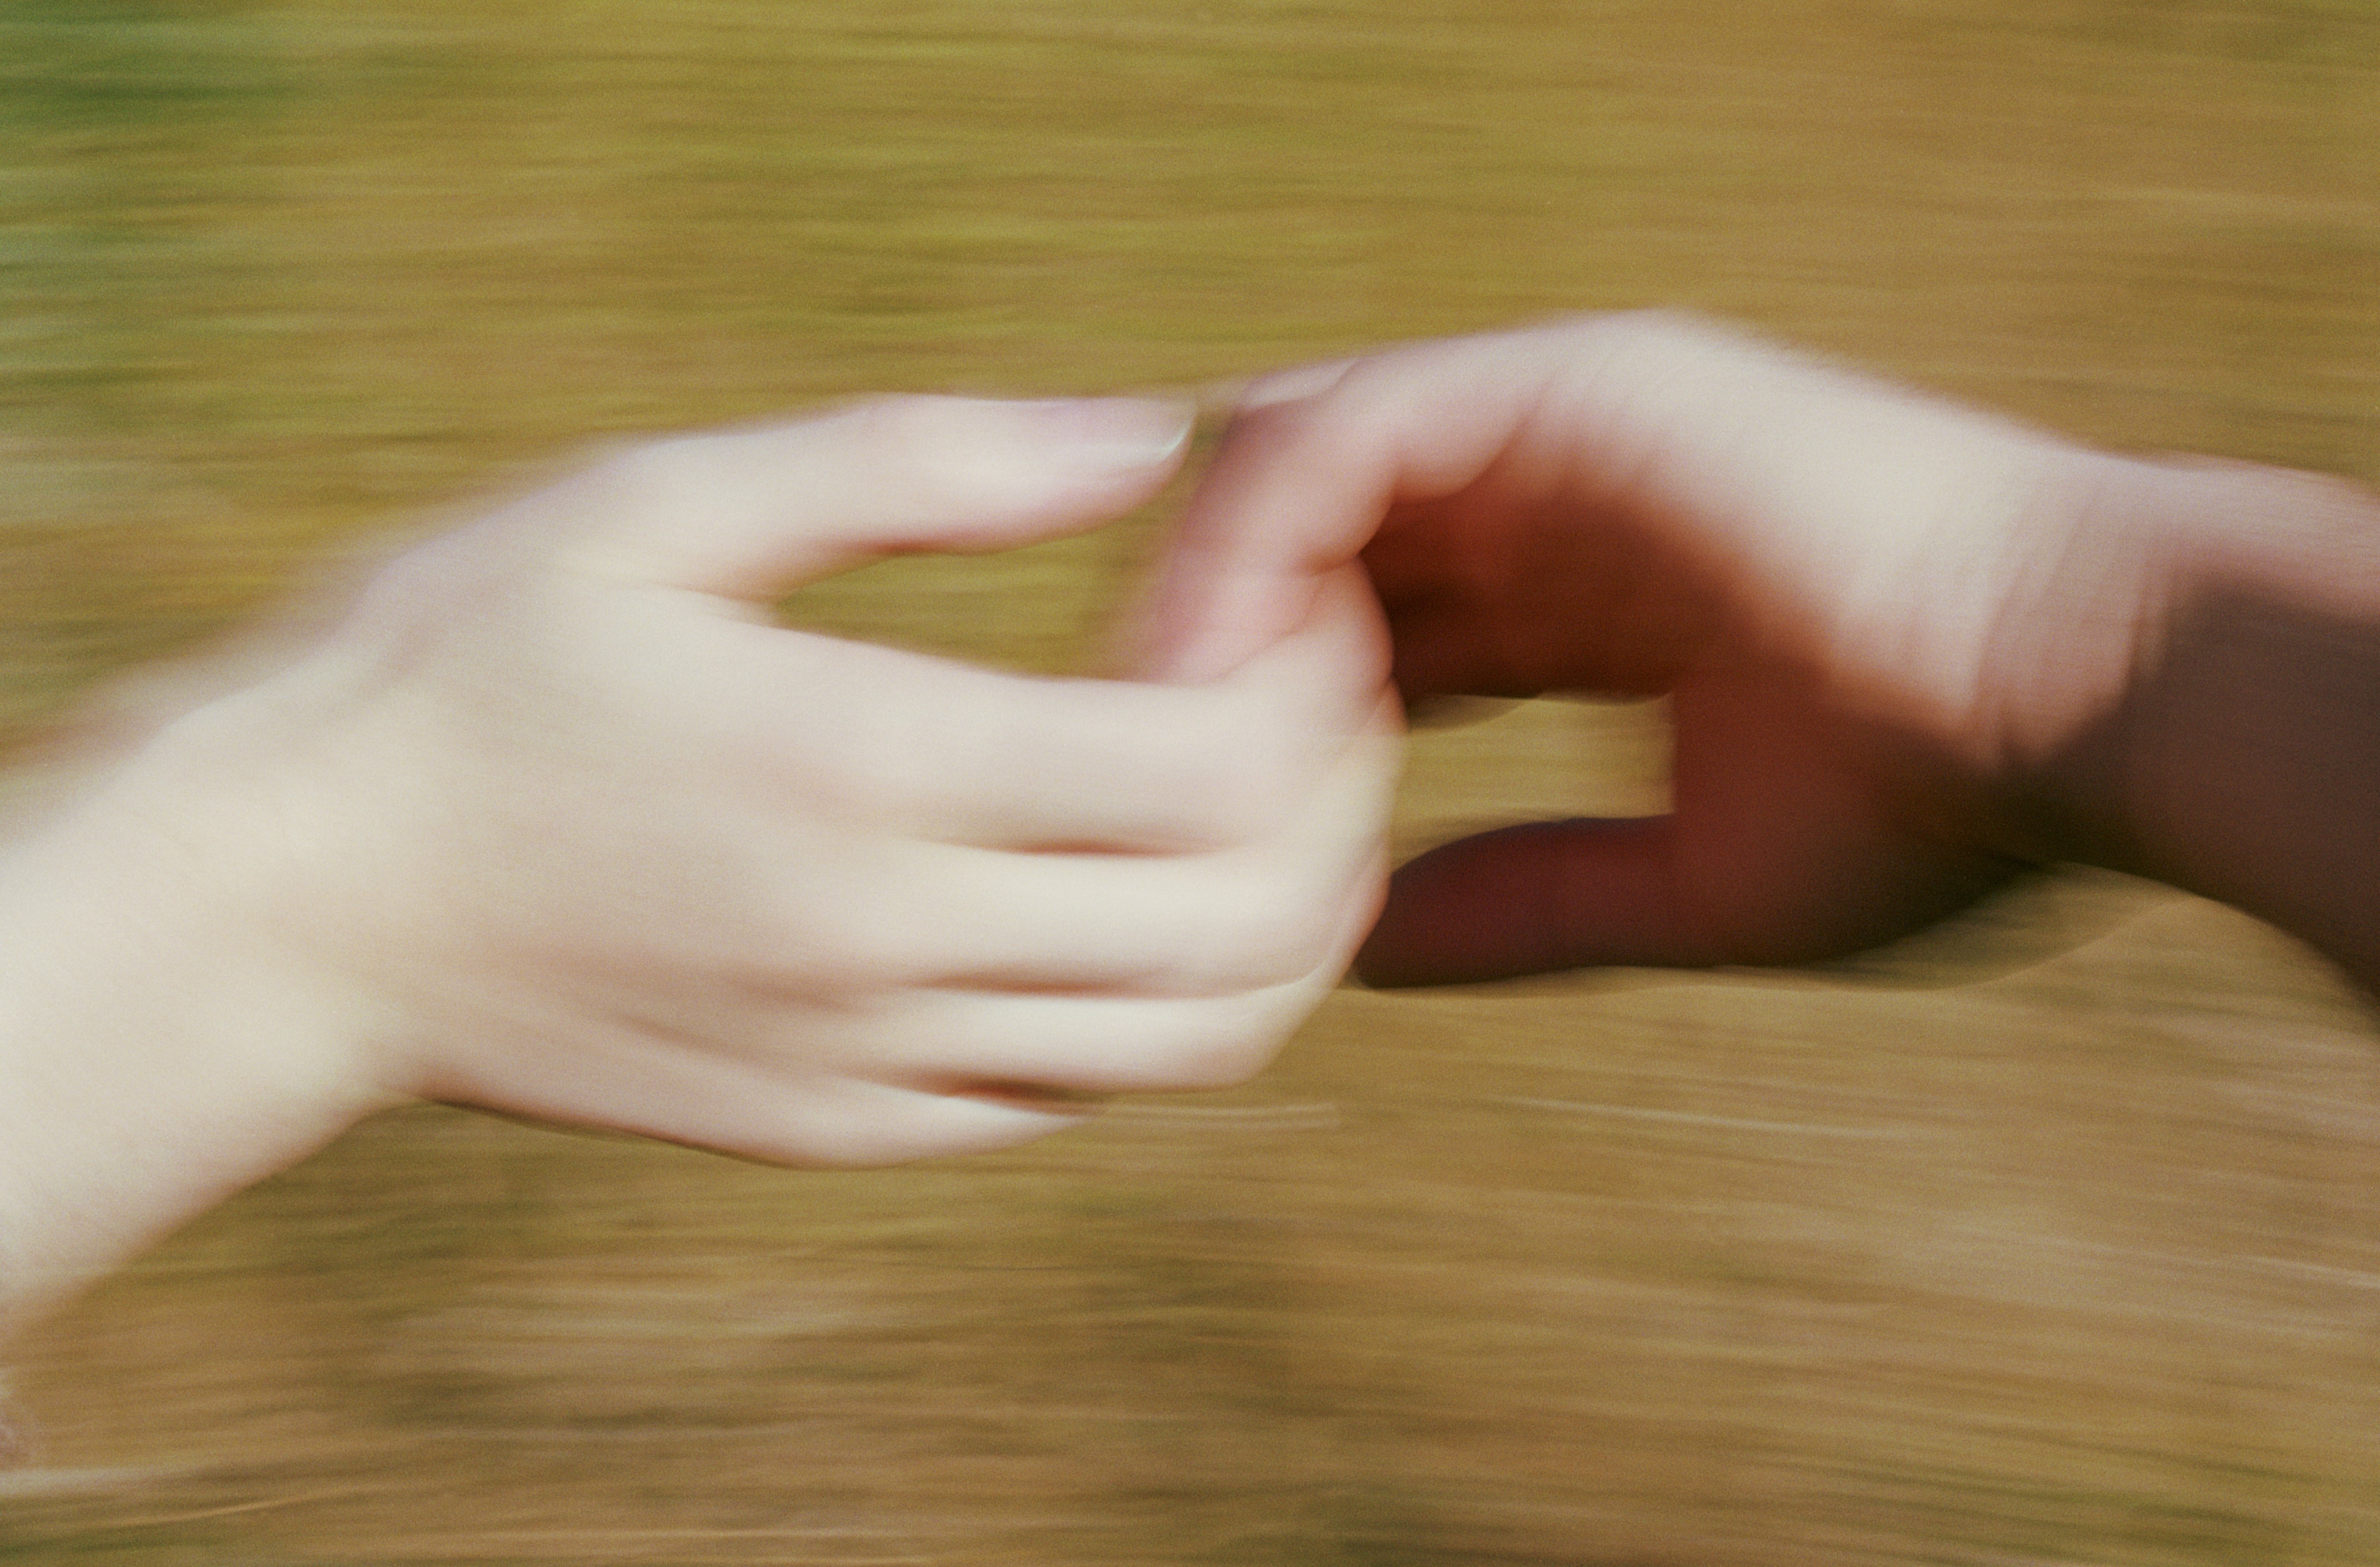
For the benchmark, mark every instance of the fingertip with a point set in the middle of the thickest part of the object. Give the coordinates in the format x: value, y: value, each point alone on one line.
x: 1120, y: 435
x: 751, y: 514
x: 1378, y: 969
x: 895, y: 1124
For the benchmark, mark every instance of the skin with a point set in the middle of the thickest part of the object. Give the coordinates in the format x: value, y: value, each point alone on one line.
x: 1910, y: 648
x: 554, y: 819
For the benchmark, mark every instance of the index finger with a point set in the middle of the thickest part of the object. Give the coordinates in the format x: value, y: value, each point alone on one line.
x: 1312, y: 462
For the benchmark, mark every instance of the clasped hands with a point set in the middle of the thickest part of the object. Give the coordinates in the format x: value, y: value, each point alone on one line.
x: 560, y: 821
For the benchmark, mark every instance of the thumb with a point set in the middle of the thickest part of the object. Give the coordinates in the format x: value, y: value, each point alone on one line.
x: 1534, y: 899
x: 751, y: 514
x: 1661, y: 892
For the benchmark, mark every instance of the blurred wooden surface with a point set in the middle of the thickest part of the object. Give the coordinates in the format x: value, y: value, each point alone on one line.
x: 2051, y: 1238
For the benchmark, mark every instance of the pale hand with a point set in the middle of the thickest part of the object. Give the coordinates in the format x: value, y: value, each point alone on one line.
x: 559, y: 821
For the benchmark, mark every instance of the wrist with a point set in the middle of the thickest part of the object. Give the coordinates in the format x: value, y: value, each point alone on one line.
x: 2242, y: 759
x: 159, y: 1049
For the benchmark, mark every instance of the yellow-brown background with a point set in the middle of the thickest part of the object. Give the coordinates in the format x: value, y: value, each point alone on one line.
x: 2054, y: 1239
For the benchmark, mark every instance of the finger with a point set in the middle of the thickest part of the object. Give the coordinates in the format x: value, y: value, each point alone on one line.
x: 1795, y: 472
x: 1535, y: 900
x: 1552, y: 896
x: 935, y: 749
x: 751, y: 514
x: 747, y: 1107
x: 955, y: 1040
x: 1300, y: 484
x: 1780, y: 850
x: 1170, y: 766
x: 1264, y: 914
x: 853, y: 1124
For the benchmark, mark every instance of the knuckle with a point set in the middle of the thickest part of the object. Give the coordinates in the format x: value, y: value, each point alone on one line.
x: 463, y: 575
x: 663, y: 473
x: 1631, y: 348
x: 1661, y: 327
x: 663, y: 467
x: 852, y: 933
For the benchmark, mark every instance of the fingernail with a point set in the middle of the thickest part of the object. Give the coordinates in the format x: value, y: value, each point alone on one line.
x: 1119, y: 432
x: 1293, y: 386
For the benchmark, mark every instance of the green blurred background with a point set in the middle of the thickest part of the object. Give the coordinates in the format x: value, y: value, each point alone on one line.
x: 2050, y: 1238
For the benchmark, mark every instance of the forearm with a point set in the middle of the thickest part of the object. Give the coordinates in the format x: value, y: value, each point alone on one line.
x: 156, y: 1054
x: 2244, y: 764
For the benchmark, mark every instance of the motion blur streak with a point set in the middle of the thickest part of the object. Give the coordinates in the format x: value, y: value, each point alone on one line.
x: 2052, y: 1237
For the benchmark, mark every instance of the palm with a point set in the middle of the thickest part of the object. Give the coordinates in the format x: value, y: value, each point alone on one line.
x: 1796, y: 833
